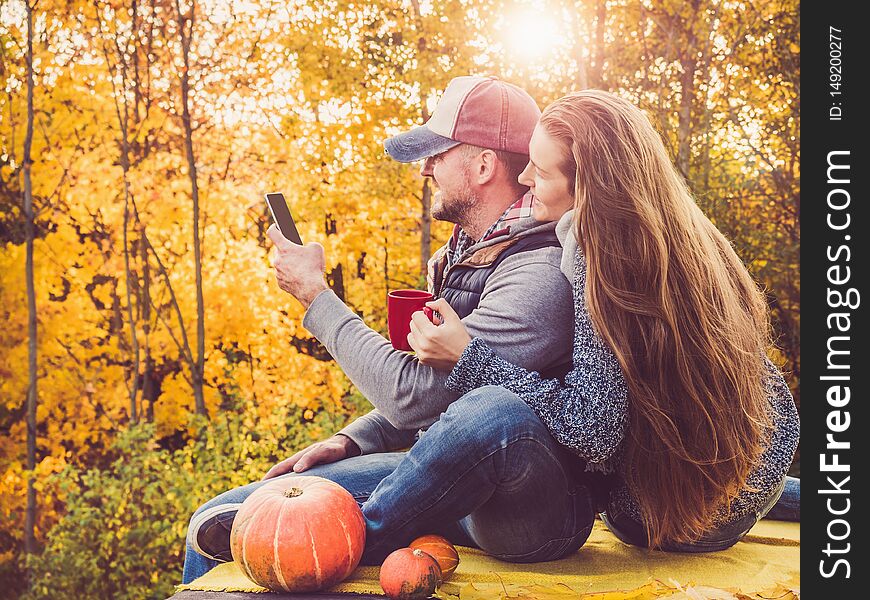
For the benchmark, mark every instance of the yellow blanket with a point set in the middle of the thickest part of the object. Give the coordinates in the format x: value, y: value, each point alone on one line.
x: 765, y: 564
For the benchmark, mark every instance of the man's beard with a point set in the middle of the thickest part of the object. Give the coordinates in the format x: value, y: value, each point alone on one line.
x: 458, y: 207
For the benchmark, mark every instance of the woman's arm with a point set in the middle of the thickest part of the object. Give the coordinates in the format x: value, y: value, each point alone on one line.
x: 586, y: 413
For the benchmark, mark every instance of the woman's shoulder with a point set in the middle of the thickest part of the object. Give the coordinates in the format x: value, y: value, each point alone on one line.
x: 565, y: 229
x: 571, y: 255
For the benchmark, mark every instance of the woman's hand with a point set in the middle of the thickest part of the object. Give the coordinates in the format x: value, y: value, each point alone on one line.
x: 441, y: 345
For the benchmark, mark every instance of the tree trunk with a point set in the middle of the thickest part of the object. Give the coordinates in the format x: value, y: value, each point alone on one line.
x: 684, y: 138
x: 689, y: 62
x: 125, y: 166
x: 425, y: 228
x: 152, y: 386
x: 148, y: 371
x: 335, y: 277
x: 582, y: 75
x: 425, y: 215
x: 426, y: 192
x: 137, y: 91
x: 134, y: 387
x: 335, y: 280
x: 386, y: 229
x: 30, y: 234
x: 185, y: 24
x: 597, y: 77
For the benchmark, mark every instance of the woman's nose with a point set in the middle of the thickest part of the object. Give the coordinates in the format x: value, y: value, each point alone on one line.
x: 525, y: 178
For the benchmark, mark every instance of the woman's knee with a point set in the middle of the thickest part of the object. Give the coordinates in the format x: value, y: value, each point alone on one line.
x: 550, y: 550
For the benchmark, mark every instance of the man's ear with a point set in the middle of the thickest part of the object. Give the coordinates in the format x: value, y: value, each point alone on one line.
x: 487, y: 166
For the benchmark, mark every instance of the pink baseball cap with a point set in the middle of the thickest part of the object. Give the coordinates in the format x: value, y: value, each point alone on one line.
x: 481, y: 111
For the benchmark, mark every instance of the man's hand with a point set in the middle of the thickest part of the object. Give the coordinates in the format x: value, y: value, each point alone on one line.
x: 299, y: 269
x: 336, y: 448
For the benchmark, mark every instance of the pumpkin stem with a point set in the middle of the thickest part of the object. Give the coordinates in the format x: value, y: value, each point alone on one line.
x: 292, y: 492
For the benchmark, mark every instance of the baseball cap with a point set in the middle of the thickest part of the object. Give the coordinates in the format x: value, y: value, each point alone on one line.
x: 481, y: 111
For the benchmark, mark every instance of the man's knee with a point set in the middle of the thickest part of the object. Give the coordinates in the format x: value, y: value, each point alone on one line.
x: 485, y: 401
x: 492, y: 410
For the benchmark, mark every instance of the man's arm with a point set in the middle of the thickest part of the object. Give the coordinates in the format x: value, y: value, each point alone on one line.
x: 525, y: 313
x: 299, y: 271
x: 373, y: 433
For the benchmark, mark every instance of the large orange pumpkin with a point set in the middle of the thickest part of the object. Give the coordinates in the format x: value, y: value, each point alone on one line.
x: 408, y: 574
x: 298, y: 534
x: 439, y: 548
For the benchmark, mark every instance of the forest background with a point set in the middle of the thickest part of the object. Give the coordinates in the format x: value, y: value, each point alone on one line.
x: 148, y: 360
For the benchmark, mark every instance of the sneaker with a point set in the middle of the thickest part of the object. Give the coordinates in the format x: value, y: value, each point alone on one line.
x: 209, y: 531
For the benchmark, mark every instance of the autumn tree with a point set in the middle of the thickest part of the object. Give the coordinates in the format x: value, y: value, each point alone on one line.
x: 29, y: 233
x: 186, y: 20
x: 147, y: 221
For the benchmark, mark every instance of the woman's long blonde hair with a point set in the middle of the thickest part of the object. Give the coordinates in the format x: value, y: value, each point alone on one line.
x: 669, y: 295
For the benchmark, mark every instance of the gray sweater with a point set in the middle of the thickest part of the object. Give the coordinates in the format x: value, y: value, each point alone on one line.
x: 524, y: 314
x: 588, y: 412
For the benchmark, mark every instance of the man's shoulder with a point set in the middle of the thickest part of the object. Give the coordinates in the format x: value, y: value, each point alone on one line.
x: 536, y: 271
x: 518, y: 238
x: 531, y: 257
x: 532, y: 280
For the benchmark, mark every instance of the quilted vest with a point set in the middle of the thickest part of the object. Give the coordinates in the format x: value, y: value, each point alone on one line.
x: 462, y: 284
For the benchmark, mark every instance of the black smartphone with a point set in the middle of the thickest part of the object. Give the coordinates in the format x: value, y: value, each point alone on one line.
x: 283, y: 219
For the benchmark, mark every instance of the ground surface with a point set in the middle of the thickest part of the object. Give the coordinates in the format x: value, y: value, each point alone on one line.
x: 194, y: 595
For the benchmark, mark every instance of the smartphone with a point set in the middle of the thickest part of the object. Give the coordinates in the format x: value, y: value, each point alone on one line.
x: 281, y: 214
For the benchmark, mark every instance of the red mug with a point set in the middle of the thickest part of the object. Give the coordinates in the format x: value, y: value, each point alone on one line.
x: 401, y: 304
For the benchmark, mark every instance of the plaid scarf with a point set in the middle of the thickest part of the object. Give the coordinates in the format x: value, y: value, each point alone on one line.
x: 462, y: 242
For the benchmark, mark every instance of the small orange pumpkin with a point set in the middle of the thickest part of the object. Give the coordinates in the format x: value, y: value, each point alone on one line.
x: 441, y: 550
x: 298, y: 534
x: 410, y: 575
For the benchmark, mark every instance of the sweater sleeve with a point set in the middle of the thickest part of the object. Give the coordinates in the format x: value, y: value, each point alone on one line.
x: 780, y: 445
x: 586, y: 413
x: 373, y: 433
x: 410, y: 395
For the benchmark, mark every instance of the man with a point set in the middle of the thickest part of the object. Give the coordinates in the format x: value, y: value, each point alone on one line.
x: 500, y: 272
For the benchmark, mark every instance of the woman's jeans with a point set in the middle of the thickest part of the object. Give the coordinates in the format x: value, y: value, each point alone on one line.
x: 631, y: 532
x: 487, y: 474
x: 788, y: 507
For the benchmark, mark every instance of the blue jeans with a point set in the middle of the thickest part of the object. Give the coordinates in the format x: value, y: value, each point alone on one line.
x: 631, y: 532
x: 788, y: 507
x: 487, y: 474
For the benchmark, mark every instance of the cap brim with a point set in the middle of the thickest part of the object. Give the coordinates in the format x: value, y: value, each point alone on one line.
x: 417, y: 144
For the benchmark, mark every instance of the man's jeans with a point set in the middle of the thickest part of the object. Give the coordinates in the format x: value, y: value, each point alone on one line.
x: 487, y: 474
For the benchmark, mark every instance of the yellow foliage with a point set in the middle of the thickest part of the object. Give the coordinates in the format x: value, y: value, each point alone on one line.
x: 297, y: 100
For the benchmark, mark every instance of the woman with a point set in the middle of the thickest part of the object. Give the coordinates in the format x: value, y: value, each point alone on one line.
x: 671, y: 389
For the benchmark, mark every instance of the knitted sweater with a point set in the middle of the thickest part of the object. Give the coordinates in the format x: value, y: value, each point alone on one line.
x: 588, y: 412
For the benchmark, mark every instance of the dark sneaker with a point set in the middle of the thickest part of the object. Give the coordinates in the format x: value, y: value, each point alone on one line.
x: 209, y: 531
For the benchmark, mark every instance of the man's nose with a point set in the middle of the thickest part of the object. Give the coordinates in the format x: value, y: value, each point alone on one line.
x: 426, y: 168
